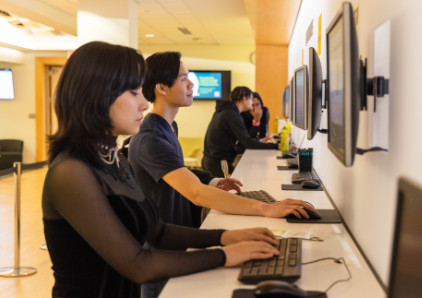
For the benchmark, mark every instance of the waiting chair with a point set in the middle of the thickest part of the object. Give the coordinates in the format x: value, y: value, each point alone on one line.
x: 10, y: 152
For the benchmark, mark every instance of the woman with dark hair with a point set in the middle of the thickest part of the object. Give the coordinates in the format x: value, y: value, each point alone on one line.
x: 226, y: 133
x: 96, y: 218
x: 256, y: 119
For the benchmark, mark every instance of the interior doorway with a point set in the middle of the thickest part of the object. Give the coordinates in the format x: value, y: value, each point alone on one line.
x: 47, y: 72
x: 53, y: 74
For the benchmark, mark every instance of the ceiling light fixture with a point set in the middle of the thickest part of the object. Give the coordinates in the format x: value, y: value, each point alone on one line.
x: 149, y: 35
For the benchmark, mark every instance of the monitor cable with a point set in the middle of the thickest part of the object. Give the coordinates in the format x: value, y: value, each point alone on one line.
x: 363, y: 151
x: 338, y: 261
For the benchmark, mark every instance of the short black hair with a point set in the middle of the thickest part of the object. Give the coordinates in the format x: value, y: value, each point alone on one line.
x: 92, y: 79
x: 162, y: 68
x: 239, y: 92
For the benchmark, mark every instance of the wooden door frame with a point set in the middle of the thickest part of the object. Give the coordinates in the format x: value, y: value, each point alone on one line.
x: 41, y: 64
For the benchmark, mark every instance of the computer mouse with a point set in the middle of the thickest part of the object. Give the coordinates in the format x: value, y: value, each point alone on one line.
x: 312, y: 214
x: 311, y: 183
x: 278, y: 288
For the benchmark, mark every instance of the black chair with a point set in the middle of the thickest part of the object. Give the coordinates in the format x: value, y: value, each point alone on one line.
x: 10, y: 152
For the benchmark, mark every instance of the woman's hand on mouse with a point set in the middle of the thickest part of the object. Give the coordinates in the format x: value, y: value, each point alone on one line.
x: 253, y: 234
x: 286, y: 207
x: 244, y: 251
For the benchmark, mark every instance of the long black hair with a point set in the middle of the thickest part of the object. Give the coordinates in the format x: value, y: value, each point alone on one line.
x: 92, y: 79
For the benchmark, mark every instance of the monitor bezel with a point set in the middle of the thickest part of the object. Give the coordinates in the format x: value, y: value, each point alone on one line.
x: 286, y: 102
x: 292, y: 99
x: 305, y: 99
x: 314, y: 93
x: 405, y: 187
x: 351, y: 84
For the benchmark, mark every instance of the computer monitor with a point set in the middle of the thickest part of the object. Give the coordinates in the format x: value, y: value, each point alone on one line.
x: 343, y: 79
x: 315, y: 93
x: 405, y: 269
x: 292, y: 99
x: 301, y: 97
x: 6, y: 84
x: 286, y: 102
x: 211, y: 84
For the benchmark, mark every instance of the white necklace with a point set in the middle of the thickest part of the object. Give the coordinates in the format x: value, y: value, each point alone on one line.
x: 111, y: 156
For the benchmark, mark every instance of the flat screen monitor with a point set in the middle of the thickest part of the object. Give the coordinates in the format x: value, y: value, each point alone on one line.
x: 6, y: 84
x: 286, y: 102
x: 315, y: 93
x: 301, y: 97
x: 343, y: 79
x: 405, y: 270
x: 292, y: 99
x: 210, y: 84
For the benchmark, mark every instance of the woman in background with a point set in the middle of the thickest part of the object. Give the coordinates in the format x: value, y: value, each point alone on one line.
x: 96, y: 218
x: 257, y: 118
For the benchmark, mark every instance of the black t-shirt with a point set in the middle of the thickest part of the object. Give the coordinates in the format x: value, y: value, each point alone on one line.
x: 154, y: 152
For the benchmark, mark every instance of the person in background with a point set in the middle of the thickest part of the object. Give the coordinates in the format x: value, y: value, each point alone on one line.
x: 96, y: 217
x: 257, y: 118
x: 225, y: 130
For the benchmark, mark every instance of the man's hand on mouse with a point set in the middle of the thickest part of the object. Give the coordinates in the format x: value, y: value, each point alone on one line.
x: 286, y: 207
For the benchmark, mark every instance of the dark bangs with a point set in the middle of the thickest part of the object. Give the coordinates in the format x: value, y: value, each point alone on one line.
x: 92, y: 79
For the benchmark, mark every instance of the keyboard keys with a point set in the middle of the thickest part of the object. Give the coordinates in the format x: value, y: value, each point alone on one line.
x: 286, y: 266
x: 260, y: 195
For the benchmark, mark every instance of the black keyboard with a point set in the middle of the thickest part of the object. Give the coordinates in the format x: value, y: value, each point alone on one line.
x: 286, y: 266
x: 302, y: 176
x: 260, y: 195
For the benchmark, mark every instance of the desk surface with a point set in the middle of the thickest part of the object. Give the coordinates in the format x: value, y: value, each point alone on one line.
x: 258, y: 170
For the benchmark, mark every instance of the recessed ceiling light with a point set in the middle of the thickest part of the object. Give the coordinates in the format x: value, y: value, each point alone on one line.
x: 149, y: 35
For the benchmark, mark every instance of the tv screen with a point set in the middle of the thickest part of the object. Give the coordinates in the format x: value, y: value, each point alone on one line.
x: 315, y: 93
x: 405, y: 272
x: 286, y: 102
x: 343, y: 79
x: 301, y: 97
x: 210, y: 84
x: 6, y: 84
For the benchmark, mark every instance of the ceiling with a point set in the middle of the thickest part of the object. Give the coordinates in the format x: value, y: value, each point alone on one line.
x: 173, y: 22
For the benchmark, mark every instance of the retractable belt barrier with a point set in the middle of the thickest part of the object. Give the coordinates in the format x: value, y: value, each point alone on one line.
x: 17, y: 270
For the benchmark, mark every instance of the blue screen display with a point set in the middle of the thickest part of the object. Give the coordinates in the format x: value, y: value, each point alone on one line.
x: 206, y: 84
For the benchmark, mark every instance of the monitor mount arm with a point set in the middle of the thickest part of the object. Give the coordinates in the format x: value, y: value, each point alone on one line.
x: 376, y: 86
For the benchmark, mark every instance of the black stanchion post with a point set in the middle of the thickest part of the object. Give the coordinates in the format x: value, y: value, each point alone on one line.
x: 17, y: 270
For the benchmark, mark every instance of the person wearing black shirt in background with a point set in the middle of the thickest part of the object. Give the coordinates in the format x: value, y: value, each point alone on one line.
x: 225, y: 130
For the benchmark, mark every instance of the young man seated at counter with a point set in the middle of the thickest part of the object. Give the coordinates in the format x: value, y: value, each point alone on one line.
x: 227, y: 133
x: 157, y: 158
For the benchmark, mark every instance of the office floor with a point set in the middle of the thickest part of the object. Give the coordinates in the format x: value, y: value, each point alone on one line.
x: 38, y: 285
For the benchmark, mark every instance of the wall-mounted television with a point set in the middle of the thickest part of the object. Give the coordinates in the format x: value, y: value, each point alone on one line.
x: 6, y: 84
x: 343, y: 79
x: 210, y: 84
